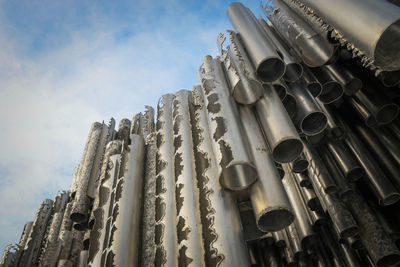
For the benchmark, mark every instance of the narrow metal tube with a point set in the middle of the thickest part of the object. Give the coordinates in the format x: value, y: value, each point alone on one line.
x: 347, y: 163
x: 186, y: 192
x: 294, y: 70
x: 389, y: 165
x: 245, y: 87
x: 288, y: 251
x: 312, y: 83
x: 349, y: 82
x: 302, y: 180
x: 395, y: 128
x: 383, y: 110
x: 308, y: 117
x: 331, y: 89
x: 391, y: 143
x: 270, y: 203
x: 380, y: 42
x: 361, y: 111
x: 383, y: 189
x: 314, y: 49
x: 279, y: 238
x: 289, y: 102
x: 317, y: 170
x: 354, y: 242
x: 335, y: 131
x: 317, y: 139
x: 266, y: 61
x: 165, y: 230
x: 127, y: 210
x: 349, y: 256
x: 281, y: 135
x: 377, y: 242
x: 308, y: 195
x: 231, y: 152
x: 300, y: 164
x: 302, y: 220
x: 280, y: 170
x: 317, y: 217
x: 280, y: 88
x: 224, y: 243
x: 295, y: 243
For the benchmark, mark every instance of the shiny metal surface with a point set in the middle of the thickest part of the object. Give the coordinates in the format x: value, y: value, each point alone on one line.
x: 349, y: 82
x: 312, y: 83
x: 335, y: 131
x: 300, y: 164
x: 280, y: 132
x: 270, y: 203
x: 266, y: 61
x: 231, y: 152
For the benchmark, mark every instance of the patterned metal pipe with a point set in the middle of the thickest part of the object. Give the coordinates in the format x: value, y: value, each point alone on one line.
x: 266, y: 61
x: 231, y: 151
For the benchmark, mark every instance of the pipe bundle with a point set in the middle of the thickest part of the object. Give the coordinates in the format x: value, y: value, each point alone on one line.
x: 286, y: 153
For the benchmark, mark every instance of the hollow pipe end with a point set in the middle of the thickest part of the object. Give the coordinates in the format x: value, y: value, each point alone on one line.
x: 353, y: 86
x: 271, y: 69
x: 287, y: 150
x: 300, y: 165
x: 244, y: 96
x: 387, y: 53
x: 313, y: 123
x: 387, y: 113
x: 349, y: 232
x: 275, y: 219
x: 279, y: 89
x: 354, y: 174
x: 389, y: 199
x: 315, y: 88
x: 293, y: 72
x: 238, y: 176
x: 78, y: 217
x: 331, y: 91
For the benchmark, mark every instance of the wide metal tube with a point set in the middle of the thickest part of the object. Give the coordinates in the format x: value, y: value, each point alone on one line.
x: 221, y: 226
x: 377, y: 242
x: 280, y: 132
x: 345, y: 160
x: 380, y: 42
x: 294, y: 70
x: 231, y: 152
x: 317, y: 170
x: 383, y: 110
x: 127, y: 210
x: 266, y: 61
x: 314, y: 49
x: 245, y: 87
x: 288, y: 251
x: 270, y: 203
x: 389, y: 165
x: 383, y: 189
x: 308, y: 117
x: 186, y: 192
x: 302, y: 220
x: 166, y: 237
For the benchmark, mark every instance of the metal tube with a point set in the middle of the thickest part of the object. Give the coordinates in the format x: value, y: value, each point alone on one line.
x: 354, y: 242
x: 382, y: 188
x: 308, y: 195
x: 281, y: 135
x: 294, y: 70
x: 280, y: 88
x: 331, y: 89
x: 231, y: 152
x: 361, y: 111
x: 349, y: 82
x: 308, y: 117
x: 377, y: 242
x: 280, y: 170
x: 271, y: 206
x: 166, y: 237
x: 288, y: 251
x: 314, y: 49
x: 279, y: 238
x: 317, y: 170
x: 380, y: 42
x: 221, y: 226
x: 389, y: 165
x: 302, y: 220
x: 266, y: 61
x: 335, y: 131
x: 302, y: 180
x: 395, y: 128
x: 289, y: 103
x: 245, y: 87
x: 300, y: 164
x: 317, y: 139
x: 108, y: 178
x: 312, y: 83
x: 391, y: 143
x: 347, y: 163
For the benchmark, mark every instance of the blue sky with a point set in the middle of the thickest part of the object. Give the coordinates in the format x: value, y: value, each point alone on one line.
x: 66, y: 64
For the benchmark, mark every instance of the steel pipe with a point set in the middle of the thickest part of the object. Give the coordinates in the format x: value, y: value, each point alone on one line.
x: 335, y: 132
x: 346, y: 161
x: 314, y: 49
x: 382, y: 188
x: 391, y: 143
x: 295, y: 243
x: 380, y: 42
x: 312, y: 83
x: 279, y: 238
x: 279, y: 86
x: 308, y: 117
x: 331, y: 89
x: 266, y: 61
x: 281, y: 135
x: 270, y: 203
x: 289, y: 102
x: 245, y: 87
x: 300, y: 164
x: 349, y: 82
x: 221, y: 226
x: 231, y: 152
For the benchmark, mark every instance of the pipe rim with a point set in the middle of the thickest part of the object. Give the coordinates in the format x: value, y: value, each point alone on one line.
x: 287, y: 150
x: 387, y: 113
x: 331, y: 91
x: 313, y: 123
x: 275, y: 219
x: 271, y: 69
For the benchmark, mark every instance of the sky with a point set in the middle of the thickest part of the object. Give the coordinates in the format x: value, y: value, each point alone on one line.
x: 66, y: 64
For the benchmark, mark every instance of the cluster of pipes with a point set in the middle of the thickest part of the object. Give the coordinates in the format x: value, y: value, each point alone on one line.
x: 287, y: 153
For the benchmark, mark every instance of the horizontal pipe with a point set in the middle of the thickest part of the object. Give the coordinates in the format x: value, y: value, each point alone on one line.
x: 266, y: 61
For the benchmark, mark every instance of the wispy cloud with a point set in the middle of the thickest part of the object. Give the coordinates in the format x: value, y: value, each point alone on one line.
x: 65, y: 65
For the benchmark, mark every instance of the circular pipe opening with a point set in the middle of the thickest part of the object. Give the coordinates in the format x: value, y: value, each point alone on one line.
x: 280, y: 90
x: 351, y: 231
x: 293, y: 72
x: 287, y: 150
x: 355, y: 173
x: 315, y: 88
x: 275, y: 219
x: 271, y: 69
x: 390, y: 199
x: 331, y: 91
x: 387, y: 113
x: 313, y: 123
x: 300, y: 165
